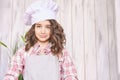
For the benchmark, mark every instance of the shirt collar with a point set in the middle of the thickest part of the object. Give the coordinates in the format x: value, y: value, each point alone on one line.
x: 37, y: 48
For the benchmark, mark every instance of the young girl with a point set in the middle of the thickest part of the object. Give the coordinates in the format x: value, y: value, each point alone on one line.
x: 43, y: 57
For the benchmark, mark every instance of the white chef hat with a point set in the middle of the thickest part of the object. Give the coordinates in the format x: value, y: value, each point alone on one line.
x: 39, y: 11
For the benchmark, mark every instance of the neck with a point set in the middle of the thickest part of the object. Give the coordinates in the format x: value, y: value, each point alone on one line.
x: 43, y: 45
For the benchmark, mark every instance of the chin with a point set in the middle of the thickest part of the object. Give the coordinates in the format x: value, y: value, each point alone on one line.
x: 43, y: 40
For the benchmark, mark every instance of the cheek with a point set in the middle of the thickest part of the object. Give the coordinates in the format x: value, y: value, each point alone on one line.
x: 50, y: 33
x: 47, y: 31
x: 36, y: 31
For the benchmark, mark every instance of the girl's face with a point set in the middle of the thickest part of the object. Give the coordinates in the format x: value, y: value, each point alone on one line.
x: 42, y: 31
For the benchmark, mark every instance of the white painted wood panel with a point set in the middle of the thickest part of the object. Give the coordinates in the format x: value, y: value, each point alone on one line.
x: 18, y: 27
x: 5, y: 32
x: 117, y: 25
x: 112, y: 47
x: 90, y: 43
x: 78, y: 37
x: 103, y: 65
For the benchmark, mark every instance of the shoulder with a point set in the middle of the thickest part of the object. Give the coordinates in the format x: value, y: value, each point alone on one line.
x: 19, y: 55
x: 20, y: 51
x: 65, y: 54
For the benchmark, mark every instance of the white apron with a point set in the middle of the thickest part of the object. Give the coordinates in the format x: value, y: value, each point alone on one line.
x: 41, y: 67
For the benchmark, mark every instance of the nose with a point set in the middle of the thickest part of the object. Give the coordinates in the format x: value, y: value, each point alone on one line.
x: 43, y: 30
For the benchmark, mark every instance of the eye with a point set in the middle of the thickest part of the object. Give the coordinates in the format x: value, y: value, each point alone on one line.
x: 48, y: 26
x: 38, y: 26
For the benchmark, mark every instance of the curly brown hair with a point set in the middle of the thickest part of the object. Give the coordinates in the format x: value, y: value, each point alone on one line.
x: 57, y: 37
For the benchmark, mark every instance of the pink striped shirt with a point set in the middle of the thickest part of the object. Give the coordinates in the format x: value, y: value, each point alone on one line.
x: 67, y: 72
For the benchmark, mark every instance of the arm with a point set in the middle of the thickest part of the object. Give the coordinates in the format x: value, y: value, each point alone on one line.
x: 68, y: 68
x: 16, y: 67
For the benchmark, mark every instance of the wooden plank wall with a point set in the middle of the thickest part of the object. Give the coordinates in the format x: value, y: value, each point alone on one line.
x: 90, y: 28
x: 5, y: 33
x: 117, y: 13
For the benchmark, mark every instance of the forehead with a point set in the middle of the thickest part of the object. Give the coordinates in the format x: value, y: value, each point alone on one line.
x: 43, y: 23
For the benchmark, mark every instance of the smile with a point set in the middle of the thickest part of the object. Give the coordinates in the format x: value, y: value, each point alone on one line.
x: 43, y: 36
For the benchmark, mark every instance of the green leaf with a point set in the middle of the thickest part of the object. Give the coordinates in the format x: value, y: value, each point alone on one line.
x: 23, y: 38
x: 15, y: 47
x: 3, y: 44
x: 20, y: 77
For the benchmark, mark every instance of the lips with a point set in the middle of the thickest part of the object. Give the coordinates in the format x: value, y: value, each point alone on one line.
x: 43, y: 36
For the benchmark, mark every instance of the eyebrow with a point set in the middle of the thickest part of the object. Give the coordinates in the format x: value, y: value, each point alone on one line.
x: 37, y: 24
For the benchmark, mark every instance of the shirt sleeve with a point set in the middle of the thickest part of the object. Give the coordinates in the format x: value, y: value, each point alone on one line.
x: 16, y: 67
x: 68, y: 69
